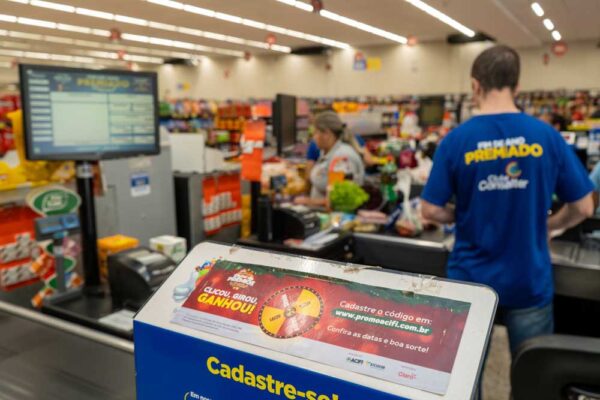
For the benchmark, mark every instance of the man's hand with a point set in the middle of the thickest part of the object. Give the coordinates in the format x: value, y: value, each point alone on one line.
x: 572, y: 214
x: 433, y: 213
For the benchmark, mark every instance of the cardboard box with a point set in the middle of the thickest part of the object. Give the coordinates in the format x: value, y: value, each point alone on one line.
x: 171, y: 246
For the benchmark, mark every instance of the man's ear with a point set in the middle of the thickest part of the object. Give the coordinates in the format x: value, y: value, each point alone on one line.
x: 475, y: 86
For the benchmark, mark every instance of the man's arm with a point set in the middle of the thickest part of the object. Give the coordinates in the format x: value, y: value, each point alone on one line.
x: 572, y: 214
x: 441, y: 215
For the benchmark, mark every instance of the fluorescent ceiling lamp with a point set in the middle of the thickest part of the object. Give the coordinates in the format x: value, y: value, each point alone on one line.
x: 52, y: 6
x: 435, y: 13
x: 45, y: 56
x: 26, y: 35
x: 77, y: 58
x: 250, y: 23
x: 347, y: 21
x: 537, y: 9
x: 298, y: 4
x: 74, y: 28
x: 124, y: 36
x: 164, y: 27
x: 36, y: 22
x: 556, y: 36
x: 362, y: 26
x: 18, y: 45
x: 94, y: 13
x: 167, y: 27
x: 8, y: 18
x: 168, y: 3
x: 131, y: 20
x: 548, y: 24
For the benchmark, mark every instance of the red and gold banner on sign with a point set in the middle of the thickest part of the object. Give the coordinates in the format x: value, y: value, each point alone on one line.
x: 402, y: 337
x: 252, y: 144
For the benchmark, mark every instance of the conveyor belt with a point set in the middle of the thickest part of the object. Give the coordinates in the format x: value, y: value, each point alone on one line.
x: 576, y: 270
x: 38, y: 361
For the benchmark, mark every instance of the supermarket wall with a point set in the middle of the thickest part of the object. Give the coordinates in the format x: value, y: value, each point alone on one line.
x: 429, y: 68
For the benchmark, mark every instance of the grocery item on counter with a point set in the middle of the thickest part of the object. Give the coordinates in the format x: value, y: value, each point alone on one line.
x: 347, y: 196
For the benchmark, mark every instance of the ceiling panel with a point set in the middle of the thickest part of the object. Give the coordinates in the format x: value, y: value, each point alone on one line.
x: 509, y: 21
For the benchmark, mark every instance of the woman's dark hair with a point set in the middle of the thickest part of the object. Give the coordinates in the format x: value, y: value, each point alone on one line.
x: 497, y: 68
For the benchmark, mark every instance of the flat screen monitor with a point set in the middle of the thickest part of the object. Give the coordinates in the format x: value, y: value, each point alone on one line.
x: 79, y: 114
x: 284, y: 122
x: 431, y: 111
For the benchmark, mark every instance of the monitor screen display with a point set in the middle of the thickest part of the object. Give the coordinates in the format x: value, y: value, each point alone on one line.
x: 431, y: 111
x: 78, y: 114
x: 284, y: 122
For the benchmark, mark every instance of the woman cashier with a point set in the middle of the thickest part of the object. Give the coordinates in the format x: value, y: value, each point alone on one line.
x: 335, y: 156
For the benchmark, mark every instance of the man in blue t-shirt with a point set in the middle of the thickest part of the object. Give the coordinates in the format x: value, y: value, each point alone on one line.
x: 503, y: 167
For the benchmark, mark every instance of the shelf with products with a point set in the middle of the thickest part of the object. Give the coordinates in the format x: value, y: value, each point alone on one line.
x: 8, y: 104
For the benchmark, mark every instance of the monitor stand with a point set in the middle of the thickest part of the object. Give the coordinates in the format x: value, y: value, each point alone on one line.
x: 89, y: 235
x: 92, y: 303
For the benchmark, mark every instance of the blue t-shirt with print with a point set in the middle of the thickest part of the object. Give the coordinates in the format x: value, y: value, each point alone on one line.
x: 595, y: 177
x: 503, y: 170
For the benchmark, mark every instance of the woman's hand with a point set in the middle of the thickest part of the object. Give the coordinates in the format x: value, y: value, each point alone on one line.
x: 302, y: 200
x: 310, y: 202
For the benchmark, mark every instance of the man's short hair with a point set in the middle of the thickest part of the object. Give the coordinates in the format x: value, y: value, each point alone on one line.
x: 498, y: 67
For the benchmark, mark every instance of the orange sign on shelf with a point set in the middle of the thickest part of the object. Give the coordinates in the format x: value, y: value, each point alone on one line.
x: 252, y: 145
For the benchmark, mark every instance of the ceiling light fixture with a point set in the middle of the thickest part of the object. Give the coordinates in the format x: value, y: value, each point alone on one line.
x: 50, y: 5
x: 46, y: 56
x: 363, y: 27
x: 346, y: 21
x: 537, y: 9
x: 248, y: 22
x: 92, y: 56
x: 548, y: 24
x: 442, y: 17
x: 556, y: 36
x: 96, y: 45
x: 124, y: 36
x: 36, y: 22
x: 157, y: 25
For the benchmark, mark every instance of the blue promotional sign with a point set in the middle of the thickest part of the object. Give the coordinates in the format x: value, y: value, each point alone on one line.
x: 176, y: 366
x: 140, y: 184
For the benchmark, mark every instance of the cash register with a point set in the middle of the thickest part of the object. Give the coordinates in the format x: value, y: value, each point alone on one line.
x: 294, y: 222
x: 135, y: 274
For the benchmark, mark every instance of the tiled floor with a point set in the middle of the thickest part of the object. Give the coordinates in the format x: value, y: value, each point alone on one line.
x: 496, y: 378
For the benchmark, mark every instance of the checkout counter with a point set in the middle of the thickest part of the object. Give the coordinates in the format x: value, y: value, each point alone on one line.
x: 576, y: 265
x: 41, y: 358
x: 576, y: 260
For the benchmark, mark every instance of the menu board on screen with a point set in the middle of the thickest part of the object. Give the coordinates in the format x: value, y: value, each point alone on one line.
x: 78, y: 114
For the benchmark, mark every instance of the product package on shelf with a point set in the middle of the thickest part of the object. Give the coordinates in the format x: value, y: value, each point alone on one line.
x: 111, y: 245
x: 222, y: 204
x: 18, y: 247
